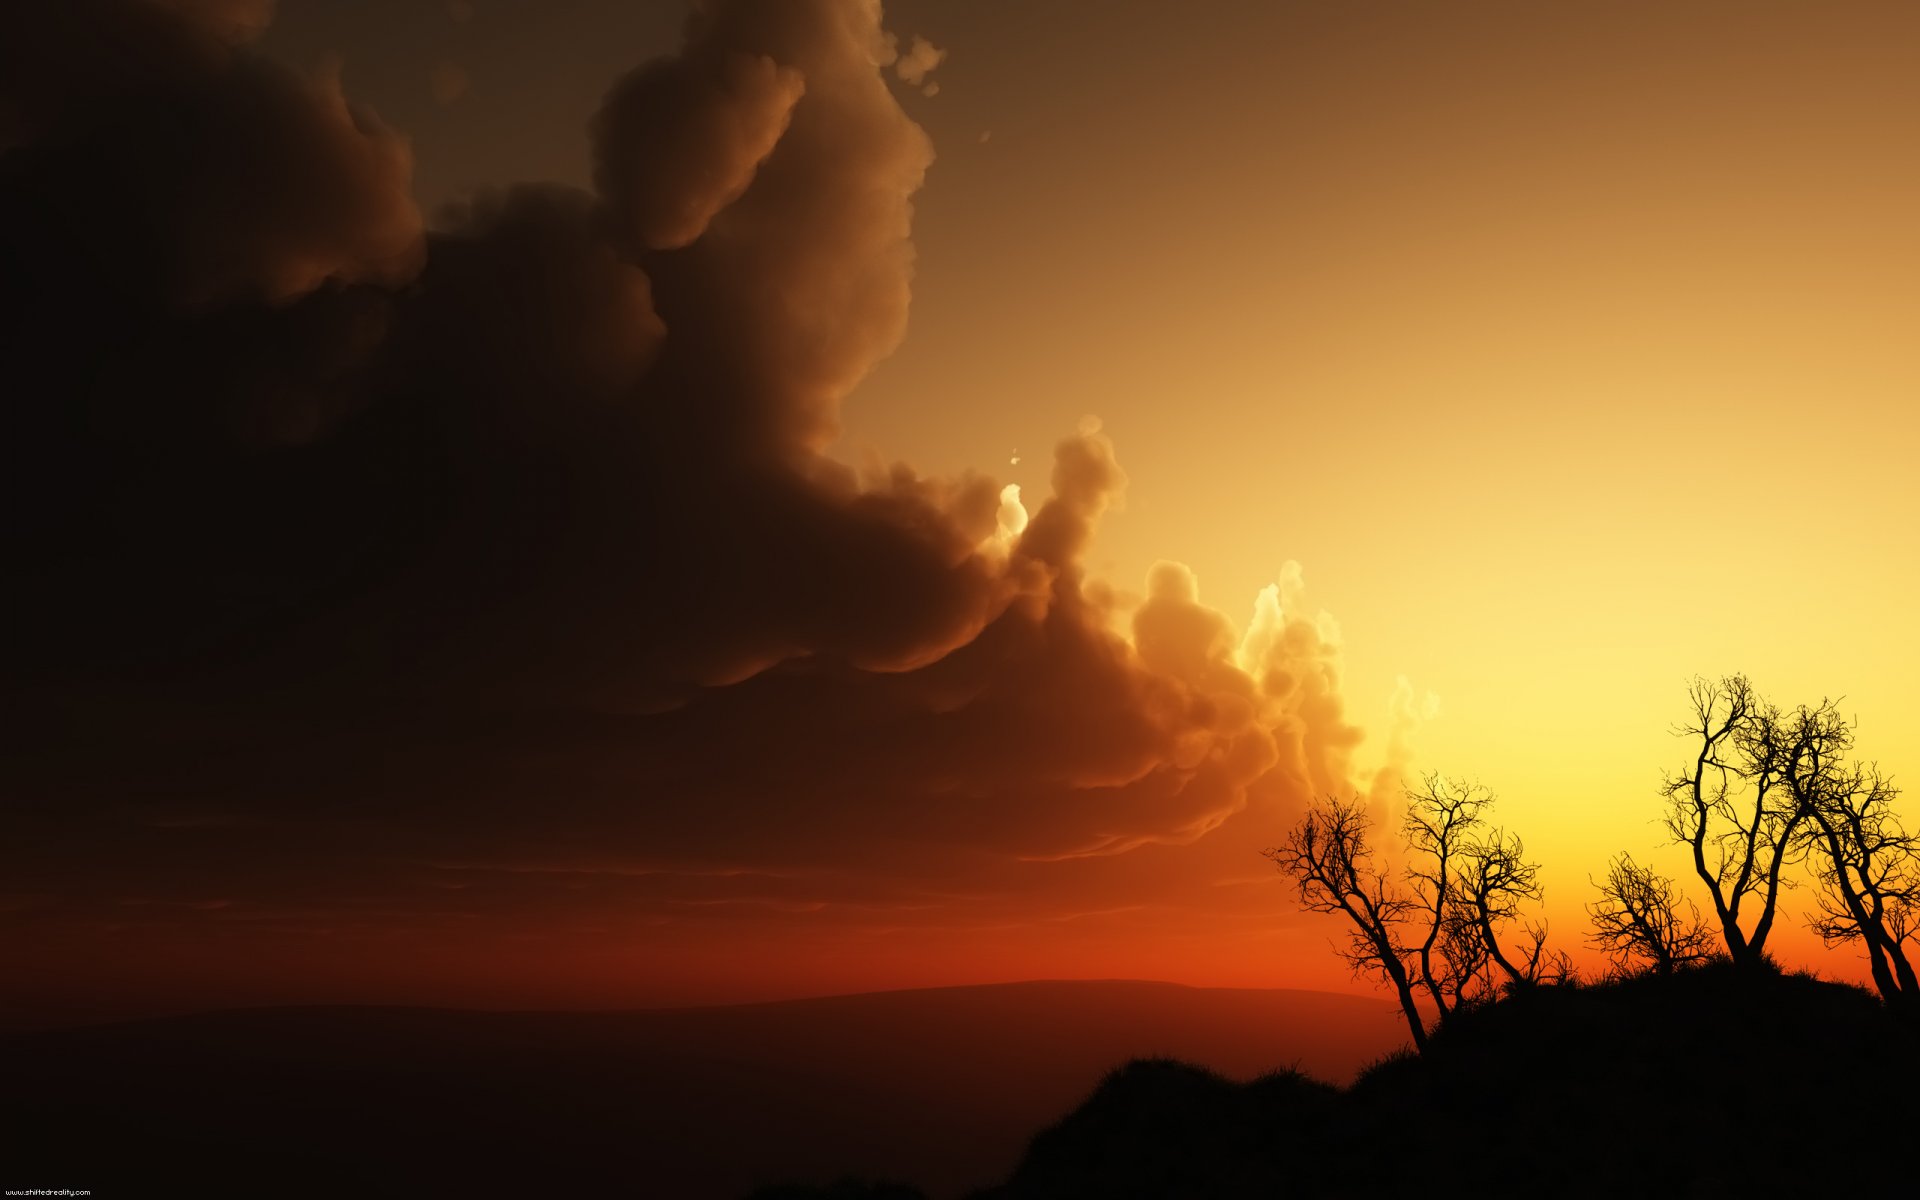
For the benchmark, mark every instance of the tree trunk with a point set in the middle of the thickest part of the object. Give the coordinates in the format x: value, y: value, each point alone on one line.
x: 1409, y: 1007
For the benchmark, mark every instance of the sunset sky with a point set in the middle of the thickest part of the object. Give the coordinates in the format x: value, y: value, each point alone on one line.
x: 603, y: 593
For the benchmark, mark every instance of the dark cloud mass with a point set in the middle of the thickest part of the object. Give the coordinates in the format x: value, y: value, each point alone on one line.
x: 365, y: 569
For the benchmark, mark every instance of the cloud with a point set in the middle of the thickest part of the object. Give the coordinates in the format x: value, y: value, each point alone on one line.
x: 680, y: 140
x: 918, y: 61
x: 1407, y: 711
x: 349, y: 553
x: 234, y: 21
x: 155, y: 161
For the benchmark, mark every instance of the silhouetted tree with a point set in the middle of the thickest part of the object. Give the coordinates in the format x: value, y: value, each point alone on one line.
x: 1332, y: 863
x: 1471, y: 881
x: 1865, y: 863
x: 1733, y: 808
x: 1638, y: 920
x: 1441, y: 819
x: 1436, y: 929
x: 1495, y: 879
x: 1769, y: 787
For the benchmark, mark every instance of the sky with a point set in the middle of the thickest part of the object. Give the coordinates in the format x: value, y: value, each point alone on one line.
x: 509, y: 506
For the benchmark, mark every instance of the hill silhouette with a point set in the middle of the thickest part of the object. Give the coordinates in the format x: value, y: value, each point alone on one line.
x: 941, y: 1087
x: 1710, y: 1082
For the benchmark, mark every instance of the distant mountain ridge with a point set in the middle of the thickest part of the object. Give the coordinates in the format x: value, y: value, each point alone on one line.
x: 939, y: 1086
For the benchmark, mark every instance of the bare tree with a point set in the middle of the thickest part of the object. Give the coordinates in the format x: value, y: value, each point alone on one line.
x: 1440, y: 824
x: 1435, y: 930
x: 1495, y: 880
x: 1638, y: 920
x: 1331, y: 861
x: 1733, y: 810
x: 1768, y: 788
x: 1867, y: 868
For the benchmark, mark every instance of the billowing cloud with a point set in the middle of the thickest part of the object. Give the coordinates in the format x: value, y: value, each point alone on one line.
x: 680, y: 141
x: 154, y: 160
x: 917, y: 62
x: 376, y: 578
x: 1407, y: 711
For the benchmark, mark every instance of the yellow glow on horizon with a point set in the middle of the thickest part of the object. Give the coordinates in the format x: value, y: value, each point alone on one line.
x: 1563, y: 391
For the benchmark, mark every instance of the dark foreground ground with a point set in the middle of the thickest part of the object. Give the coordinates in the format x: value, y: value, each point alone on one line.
x: 942, y: 1087
x: 1709, y: 1084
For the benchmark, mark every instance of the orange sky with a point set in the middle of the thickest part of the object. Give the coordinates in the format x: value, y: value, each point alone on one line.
x: 1566, y: 349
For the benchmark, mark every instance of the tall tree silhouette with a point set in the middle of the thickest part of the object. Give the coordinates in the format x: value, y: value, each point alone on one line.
x: 1638, y: 920
x: 1331, y: 860
x: 1768, y: 788
x: 1865, y: 864
x: 1435, y: 929
x: 1470, y: 881
x: 1733, y: 808
x: 1441, y: 818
